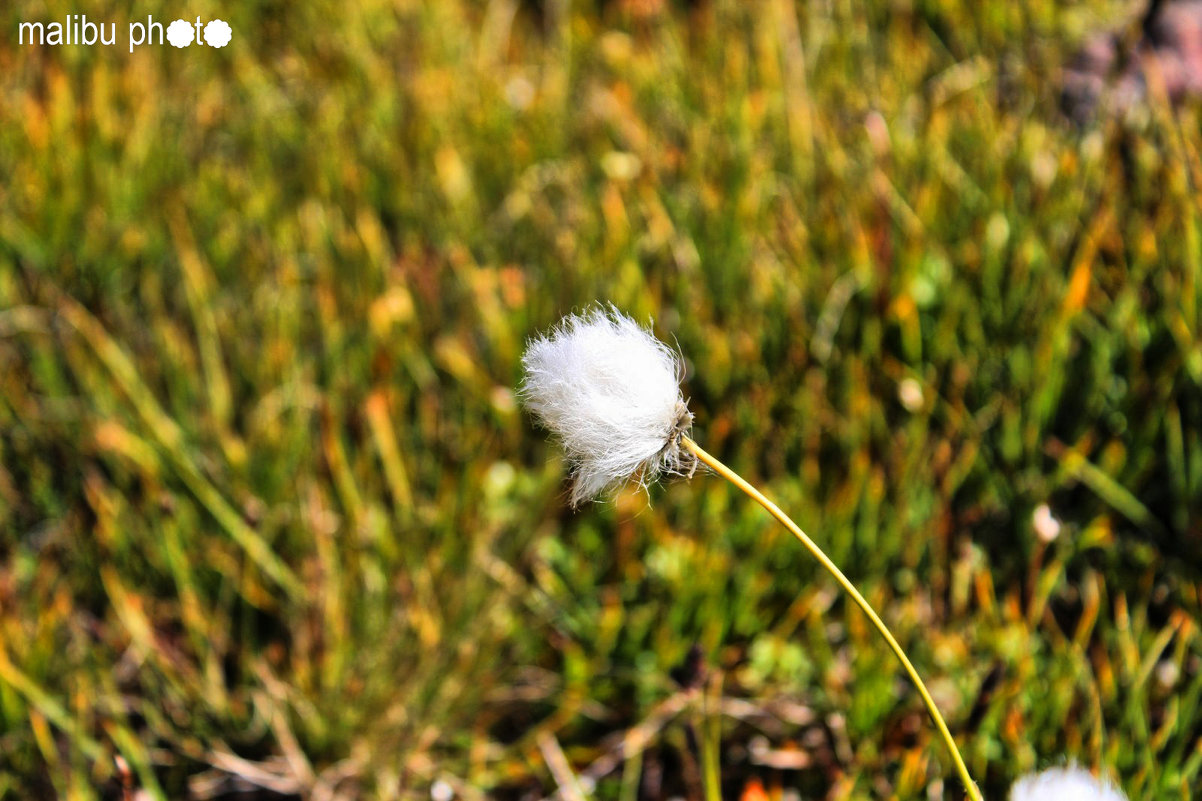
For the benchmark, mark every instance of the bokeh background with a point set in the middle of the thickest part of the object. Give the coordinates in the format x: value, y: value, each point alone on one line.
x: 273, y: 525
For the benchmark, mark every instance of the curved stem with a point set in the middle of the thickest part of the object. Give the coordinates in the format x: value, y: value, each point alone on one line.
x: 734, y: 478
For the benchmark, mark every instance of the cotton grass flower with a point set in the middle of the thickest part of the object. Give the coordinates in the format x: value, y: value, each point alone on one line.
x: 1064, y: 784
x: 609, y: 391
x: 610, y: 394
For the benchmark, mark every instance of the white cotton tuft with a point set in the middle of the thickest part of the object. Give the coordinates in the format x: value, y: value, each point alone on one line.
x: 1064, y: 784
x: 609, y: 392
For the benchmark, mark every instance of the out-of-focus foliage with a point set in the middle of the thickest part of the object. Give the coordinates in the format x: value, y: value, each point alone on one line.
x: 268, y: 508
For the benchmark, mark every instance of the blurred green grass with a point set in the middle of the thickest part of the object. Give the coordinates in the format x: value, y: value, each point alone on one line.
x: 268, y: 508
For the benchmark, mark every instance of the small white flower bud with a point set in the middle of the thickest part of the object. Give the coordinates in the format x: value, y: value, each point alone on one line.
x: 1064, y: 784
x: 1047, y: 527
x: 909, y: 392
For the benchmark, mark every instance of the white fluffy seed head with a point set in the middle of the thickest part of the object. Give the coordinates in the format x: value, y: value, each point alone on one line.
x: 609, y: 392
x: 1064, y: 784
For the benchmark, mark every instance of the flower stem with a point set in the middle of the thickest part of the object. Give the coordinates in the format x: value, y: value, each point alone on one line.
x: 734, y: 478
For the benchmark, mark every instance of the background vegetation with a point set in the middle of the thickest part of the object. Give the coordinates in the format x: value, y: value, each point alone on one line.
x: 270, y: 516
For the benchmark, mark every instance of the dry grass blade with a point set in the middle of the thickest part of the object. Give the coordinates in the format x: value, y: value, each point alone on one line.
x: 569, y: 784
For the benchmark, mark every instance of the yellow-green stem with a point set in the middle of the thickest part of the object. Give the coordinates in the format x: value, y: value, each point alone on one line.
x: 812, y: 547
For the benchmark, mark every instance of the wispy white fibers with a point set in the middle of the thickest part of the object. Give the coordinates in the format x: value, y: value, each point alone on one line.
x: 1064, y: 784
x: 609, y: 391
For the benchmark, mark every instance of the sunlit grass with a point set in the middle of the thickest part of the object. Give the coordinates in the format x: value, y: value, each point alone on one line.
x: 268, y: 507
